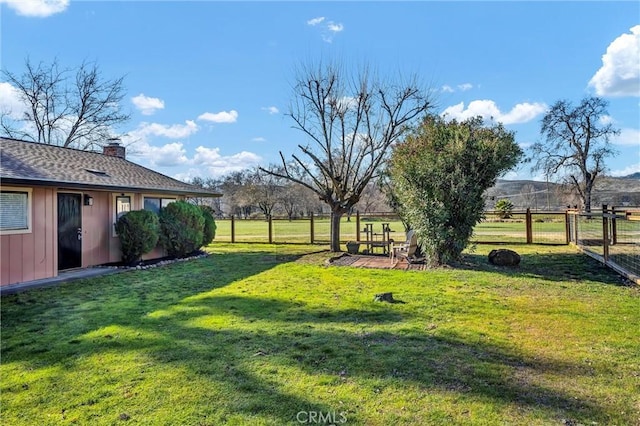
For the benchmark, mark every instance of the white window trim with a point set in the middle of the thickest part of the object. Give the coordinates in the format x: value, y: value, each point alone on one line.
x: 114, y: 207
x: 29, y: 192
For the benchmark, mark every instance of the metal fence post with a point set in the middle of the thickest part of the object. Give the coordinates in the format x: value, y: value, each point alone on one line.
x: 614, y: 227
x: 567, y: 225
x: 529, y: 227
x: 233, y: 228
x: 311, y: 227
x: 576, y: 215
x: 605, y: 233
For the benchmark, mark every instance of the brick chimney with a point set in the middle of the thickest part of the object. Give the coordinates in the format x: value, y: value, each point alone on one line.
x: 114, y: 149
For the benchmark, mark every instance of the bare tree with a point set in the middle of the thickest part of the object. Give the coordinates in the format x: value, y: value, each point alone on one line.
x: 263, y: 189
x: 576, y: 143
x: 293, y: 199
x: 235, y: 196
x: 350, y: 122
x: 373, y: 199
x: 78, y: 111
x: 529, y: 196
x: 213, y: 202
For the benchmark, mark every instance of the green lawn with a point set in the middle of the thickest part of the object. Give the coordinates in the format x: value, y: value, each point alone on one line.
x: 256, y: 334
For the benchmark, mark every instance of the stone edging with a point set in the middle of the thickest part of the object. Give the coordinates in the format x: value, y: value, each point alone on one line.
x: 155, y: 265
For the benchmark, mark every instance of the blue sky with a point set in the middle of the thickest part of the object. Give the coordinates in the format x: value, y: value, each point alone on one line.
x: 209, y: 83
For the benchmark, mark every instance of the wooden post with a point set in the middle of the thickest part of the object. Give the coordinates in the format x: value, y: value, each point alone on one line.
x: 529, y: 226
x: 567, y: 226
x: 233, y: 229
x: 311, y: 228
x: 576, y: 214
x: 270, y: 230
x: 605, y: 233
x: 357, y: 225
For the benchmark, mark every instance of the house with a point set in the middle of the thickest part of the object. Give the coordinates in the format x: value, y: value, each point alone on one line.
x: 58, y: 206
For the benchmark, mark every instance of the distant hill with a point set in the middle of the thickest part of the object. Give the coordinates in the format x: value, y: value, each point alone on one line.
x: 635, y: 175
x: 616, y: 191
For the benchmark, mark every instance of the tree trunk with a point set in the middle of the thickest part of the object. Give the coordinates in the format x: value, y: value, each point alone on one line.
x: 587, y: 197
x: 335, y: 230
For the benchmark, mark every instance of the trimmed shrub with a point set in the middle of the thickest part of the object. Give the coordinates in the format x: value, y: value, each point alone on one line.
x: 138, y: 231
x: 182, y: 226
x: 209, y: 231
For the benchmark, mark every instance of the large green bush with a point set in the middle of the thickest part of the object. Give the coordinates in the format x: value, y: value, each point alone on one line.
x: 182, y: 226
x: 138, y: 231
x: 209, y: 231
x: 439, y: 174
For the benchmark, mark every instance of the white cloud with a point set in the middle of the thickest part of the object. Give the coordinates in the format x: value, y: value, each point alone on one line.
x: 447, y: 89
x: 175, y: 131
x: 218, y: 165
x: 168, y: 155
x: 634, y: 168
x: 335, y: 27
x: 525, y: 145
x: 328, y: 29
x: 628, y: 137
x: 258, y: 139
x: 271, y: 110
x: 606, y: 119
x: 220, y: 117
x: 37, y: 8
x: 487, y: 109
x: 10, y: 102
x: 315, y: 21
x: 465, y: 86
x: 147, y: 105
x: 620, y: 73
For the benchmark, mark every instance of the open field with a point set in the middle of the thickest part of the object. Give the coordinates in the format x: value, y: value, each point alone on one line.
x: 552, y: 230
x: 257, y: 334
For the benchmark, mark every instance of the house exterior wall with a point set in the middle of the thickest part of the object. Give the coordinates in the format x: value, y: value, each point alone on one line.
x: 96, y: 221
x: 33, y: 255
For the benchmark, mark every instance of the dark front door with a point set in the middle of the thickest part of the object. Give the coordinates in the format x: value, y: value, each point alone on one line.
x: 69, y: 231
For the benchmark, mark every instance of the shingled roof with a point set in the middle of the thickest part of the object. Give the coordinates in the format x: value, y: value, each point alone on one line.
x: 31, y: 163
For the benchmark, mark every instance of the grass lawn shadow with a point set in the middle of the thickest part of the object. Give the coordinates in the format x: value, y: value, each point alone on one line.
x: 547, y: 266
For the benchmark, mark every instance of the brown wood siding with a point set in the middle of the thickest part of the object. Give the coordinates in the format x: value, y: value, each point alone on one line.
x: 5, y: 249
x: 30, y: 256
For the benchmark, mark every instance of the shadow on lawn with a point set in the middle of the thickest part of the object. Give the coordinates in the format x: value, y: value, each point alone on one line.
x: 445, y: 362
x: 547, y: 266
x: 250, y: 362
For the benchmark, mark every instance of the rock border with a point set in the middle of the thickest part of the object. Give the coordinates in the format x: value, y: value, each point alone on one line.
x: 154, y: 265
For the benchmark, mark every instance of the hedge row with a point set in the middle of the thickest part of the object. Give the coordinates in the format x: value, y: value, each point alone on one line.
x: 181, y: 228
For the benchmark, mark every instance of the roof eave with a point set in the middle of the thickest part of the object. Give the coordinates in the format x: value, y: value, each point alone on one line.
x: 111, y: 188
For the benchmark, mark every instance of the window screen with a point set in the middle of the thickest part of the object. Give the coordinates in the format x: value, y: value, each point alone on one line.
x: 14, y: 213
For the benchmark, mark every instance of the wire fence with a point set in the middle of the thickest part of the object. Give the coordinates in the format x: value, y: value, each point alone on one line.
x: 610, y: 235
x: 517, y: 227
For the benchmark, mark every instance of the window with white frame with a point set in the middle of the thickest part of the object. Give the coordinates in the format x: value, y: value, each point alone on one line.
x: 122, y: 203
x: 15, y: 210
